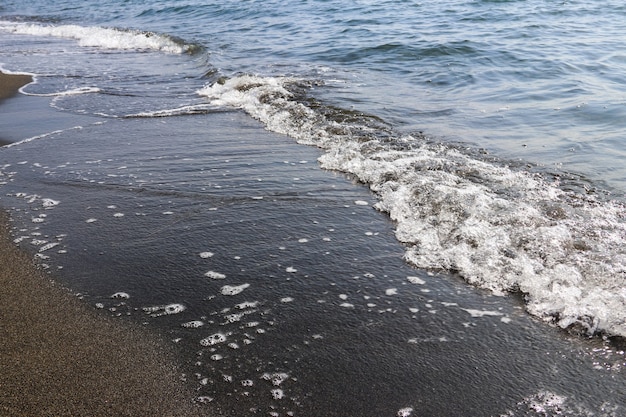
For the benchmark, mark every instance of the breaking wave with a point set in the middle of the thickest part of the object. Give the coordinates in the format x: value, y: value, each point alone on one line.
x: 499, y: 227
x: 106, y: 38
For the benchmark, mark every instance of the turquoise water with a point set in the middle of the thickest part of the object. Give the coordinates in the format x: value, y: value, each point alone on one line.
x: 490, y: 132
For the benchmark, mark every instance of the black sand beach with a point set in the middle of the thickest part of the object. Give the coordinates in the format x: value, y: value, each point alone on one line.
x: 59, y: 358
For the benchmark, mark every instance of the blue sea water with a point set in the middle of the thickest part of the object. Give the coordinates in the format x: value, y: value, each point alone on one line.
x: 492, y: 133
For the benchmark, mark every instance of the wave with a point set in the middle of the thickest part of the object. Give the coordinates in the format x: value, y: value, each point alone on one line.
x: 500, y: 228
x: 107, y: 38
x: 179, y: 111
x: 72, y: 92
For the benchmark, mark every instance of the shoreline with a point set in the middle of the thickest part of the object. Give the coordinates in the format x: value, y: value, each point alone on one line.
x: 10, y: 84
x: 61, y: 358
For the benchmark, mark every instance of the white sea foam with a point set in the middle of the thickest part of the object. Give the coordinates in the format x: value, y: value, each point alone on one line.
x: 213, y: 339
x: 179, y: 111
x: 214, y: 275
x: 72, y: 92
x: 165, y: 310
x: 416, y: 280
x: 546, y: 403
x: 107, y: 38
x: 48, y: 202
x: 44, y: 135
x: 391, y: 291
x: 247, y: 304
x: 193, y: 324
x: 277, y: 394
x: 499, y: 228
x: 482, y: 313
x: 404, y: 412
x: 276, y: 378
x: 233, y: 289
x: 121, y: 295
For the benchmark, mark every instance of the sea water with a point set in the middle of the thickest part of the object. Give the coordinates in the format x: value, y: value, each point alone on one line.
x: 490, y: 132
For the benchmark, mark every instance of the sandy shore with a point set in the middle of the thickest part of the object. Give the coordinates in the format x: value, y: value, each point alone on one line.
x: 59, y: 358
x: 11, y: 83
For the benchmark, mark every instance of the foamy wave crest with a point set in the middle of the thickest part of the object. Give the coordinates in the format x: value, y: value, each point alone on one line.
x: 180, y: 111
x: 500, y: 229
x: 108, y: 38
x: 72, y: 92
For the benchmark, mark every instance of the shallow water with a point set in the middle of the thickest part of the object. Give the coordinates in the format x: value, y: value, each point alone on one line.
x: 489, y: 141
x: 282, y: 289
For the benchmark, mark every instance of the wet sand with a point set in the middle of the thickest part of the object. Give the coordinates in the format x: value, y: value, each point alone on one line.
x: 59, y: 358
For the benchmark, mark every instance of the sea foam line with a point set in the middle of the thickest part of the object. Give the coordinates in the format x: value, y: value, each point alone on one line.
x: 47, y: 134
x: 501, y: 229
x: 108, y: 38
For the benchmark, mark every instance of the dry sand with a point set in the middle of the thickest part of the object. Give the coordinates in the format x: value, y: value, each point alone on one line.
x: 11, y: 83
x: 58, y: 357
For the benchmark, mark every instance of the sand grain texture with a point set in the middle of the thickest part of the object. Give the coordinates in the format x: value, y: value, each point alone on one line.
x: 59, y: 358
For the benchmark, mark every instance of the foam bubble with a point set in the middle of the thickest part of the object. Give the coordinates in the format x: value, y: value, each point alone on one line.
x: 232, y: 318
x: 48, y: 202
x: 233, y: 289
x: 215, y: 275
x: 277, y: 394
x: 416, y: 280
x: 291, y: 269
x: 391, y: 291
x: 213, y: 339
x: 276, y: 378
x: 247, y: 304
x: 193, y: 324
x: 121, y: 295
x: 206, y: 255
x: 404, y: 412
x: 482, y: 313
x: 156, y: 311
x: 48, y: 246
